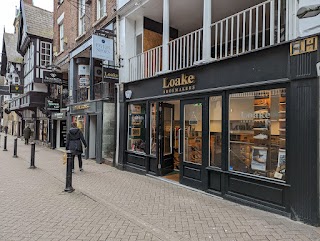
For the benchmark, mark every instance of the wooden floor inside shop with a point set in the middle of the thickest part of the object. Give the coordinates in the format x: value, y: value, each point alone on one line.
x: 173, y: 176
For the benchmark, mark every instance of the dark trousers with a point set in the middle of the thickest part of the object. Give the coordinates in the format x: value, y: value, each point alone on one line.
x: 79, y: 159
x: 26, y: 141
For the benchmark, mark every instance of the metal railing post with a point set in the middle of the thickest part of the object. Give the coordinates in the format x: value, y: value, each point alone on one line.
x: 5, y: 143
x: 33, y: 151
x: 69, y: 187
x: 15, y: 147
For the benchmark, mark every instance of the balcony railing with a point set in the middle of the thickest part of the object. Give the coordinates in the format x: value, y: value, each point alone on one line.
x: 101, y: 90
x: 146, y: 65
x: 255, y: 28
x: 104, y: 90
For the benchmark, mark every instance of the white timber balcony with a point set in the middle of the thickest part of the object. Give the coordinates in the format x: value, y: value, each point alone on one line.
x: 256, y: 27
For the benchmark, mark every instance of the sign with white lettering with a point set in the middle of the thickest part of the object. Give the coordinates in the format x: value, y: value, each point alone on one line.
x: 52, y: 78
x: 102, y: 48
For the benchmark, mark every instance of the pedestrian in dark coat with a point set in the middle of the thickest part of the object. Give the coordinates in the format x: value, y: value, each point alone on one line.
x: 74, y: 144
x: 26, y: 134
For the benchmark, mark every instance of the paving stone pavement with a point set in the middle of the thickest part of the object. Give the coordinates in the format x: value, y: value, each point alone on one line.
x: 110, y: 204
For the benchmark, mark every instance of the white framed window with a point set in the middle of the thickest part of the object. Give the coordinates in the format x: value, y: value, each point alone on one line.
x: 81, y: 7
x: 101, y: 8
x: 61, y: 37
x: 45, y: 54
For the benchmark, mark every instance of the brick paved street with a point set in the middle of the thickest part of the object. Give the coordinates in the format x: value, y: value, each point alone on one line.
x: 110, y: 204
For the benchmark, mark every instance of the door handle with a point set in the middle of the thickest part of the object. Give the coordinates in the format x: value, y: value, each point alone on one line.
x: 179, y: 141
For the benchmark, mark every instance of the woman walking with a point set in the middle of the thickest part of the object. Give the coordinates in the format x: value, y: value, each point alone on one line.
x: 74, y: 144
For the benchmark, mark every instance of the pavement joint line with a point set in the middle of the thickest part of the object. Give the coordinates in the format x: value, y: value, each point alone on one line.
x: 156, y: 231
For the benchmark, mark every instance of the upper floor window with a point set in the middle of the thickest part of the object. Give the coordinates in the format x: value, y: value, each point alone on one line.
x: 61, y: 37
x: 29, y: 59
x: 45, y: 54
x: 81, y: 16
x: 101, y: 8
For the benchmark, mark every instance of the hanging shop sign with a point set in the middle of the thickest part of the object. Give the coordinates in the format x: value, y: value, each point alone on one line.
x: 102, y: 48
x: 304, y: 46
x: 52, y: 78
x: 110, y: 75
x: 177, y: 85
x: 52, y: 105
x: 84, y: 108
x: 16, y: 89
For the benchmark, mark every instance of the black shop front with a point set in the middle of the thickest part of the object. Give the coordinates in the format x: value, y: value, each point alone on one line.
x: 245, y: 129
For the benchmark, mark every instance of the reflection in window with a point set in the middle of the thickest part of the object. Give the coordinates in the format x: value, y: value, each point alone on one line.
x: 137, y: 128
x: 167, y: 123
x: 153, y: 129
x: 258, y: 133
x: 193, y: 133
x: 215, y: 130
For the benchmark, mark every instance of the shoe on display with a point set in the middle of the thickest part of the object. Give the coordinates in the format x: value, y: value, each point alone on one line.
x: 261, y: 136
x: 258, y: 159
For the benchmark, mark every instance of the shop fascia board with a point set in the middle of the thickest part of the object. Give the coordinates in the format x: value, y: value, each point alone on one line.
x: 81, y: 48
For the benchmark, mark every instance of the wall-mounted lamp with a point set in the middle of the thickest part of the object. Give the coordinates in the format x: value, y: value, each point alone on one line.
x: 308, y: 11
x: 128, y: 94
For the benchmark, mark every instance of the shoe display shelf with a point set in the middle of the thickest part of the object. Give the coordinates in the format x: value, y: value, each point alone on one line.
x: 262, y: 132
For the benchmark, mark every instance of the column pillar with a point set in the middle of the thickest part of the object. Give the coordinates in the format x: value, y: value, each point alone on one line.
x: 165, y: 36
x: 206, y: 50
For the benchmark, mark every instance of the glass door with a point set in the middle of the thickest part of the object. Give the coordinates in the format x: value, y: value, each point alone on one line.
x: 191, y: 143
x: 166, y: 112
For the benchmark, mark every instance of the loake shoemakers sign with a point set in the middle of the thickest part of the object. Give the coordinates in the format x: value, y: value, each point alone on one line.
x: 181, y: 84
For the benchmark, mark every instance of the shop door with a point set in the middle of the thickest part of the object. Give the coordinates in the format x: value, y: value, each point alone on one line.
x: 166, y: 112
x: 191, y: 143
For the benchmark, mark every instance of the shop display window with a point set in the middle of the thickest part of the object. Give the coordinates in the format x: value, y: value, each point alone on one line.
x: 137, y: 127
x: 193, y: 133
x: 257, y: 133
x: 80, y: 120
x: 153, y: 129
x: 215, y: 123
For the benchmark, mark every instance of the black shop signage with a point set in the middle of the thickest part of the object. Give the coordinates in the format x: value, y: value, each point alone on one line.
x: 63, y: 133
x: 84, y: 108
x: 179, y: 84
x: 52, y: 78
x: 110, y: 75
x: 52, y: 105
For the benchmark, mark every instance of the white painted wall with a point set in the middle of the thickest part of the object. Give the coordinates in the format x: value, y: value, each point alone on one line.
x: 39, y: 87
x: 120, y: 3
x: 308, y: 26
x: 127, y: 46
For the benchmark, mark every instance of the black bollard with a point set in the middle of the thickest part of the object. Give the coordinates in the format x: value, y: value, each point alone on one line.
x: 69, y: 187
x: 33, y: 150
x: 15, y: 147
x: 5, y: 144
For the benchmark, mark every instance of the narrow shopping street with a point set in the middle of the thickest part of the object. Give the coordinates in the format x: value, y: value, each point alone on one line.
x: 110, y: 204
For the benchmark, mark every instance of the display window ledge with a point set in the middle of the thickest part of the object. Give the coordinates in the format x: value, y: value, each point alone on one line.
x: 258, y: 178
x: 137, y: 153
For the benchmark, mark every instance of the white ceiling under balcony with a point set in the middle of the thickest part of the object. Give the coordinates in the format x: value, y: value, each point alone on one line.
x: 186, y: 15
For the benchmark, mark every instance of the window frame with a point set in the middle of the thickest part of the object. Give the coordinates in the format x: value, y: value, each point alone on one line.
x: 129, y: 148
x: 45, y: 54
x: 221, y: 99
x: 61, y: 37
x: 279, y: 87
x: 81, y: 17
x: 101, y: 9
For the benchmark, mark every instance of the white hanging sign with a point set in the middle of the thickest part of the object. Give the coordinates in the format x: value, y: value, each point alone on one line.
x: 102, y: 48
